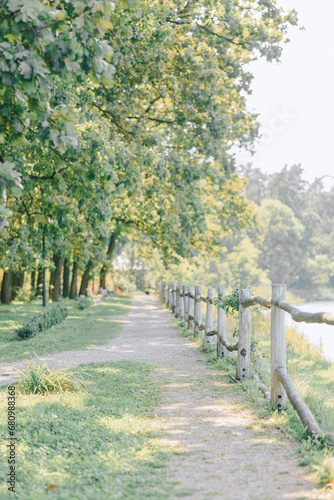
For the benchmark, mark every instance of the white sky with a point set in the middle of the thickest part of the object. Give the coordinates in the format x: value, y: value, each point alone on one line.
x: 301, y: 88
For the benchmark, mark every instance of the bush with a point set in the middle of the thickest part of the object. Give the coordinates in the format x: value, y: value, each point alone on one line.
x: 38, y: 378
x: 42, y: 321
x: 83, y: 302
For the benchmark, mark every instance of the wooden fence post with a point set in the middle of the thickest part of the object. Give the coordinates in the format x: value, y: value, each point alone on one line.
x: 191, y: 307
x: 243, y: 359
x: 198, y: 309
x: 208, y: 339
x: 170, y: 297
x: 173, y: 298
x: 185, y: 303
x: 278, y: 348
x: 166, y: 293
x: 177, y: 301
x: 181, y: 304
x: 221, y: 326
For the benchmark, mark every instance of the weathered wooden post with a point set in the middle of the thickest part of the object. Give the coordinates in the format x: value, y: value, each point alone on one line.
x: 177, y: 299
x: 198, y: 310
x: 221, y: 326
x: 185, y: 303
x: 243, y: 359
x: 191, y: 307
x: 208, y: 339
x: 278, y: 348
x: 181, y: 304
x: 166, y: 293
x: 170, y: 297
x: 173, y: 298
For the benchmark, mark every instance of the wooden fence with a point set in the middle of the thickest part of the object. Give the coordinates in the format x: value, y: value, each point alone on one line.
x: 186, y: 303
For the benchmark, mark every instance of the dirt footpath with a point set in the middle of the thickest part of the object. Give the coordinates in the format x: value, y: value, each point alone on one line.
x: 230, y: 453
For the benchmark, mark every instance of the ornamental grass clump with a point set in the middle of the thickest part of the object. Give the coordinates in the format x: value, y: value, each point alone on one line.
x: 38, y: 378
x: 42, y: 321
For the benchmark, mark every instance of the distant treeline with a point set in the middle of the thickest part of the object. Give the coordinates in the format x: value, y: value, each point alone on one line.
x: 295, y: 229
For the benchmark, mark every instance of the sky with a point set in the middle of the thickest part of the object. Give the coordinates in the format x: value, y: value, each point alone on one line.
x: 295, y: 98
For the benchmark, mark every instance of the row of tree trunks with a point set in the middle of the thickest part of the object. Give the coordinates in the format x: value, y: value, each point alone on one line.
x: 13, y: 281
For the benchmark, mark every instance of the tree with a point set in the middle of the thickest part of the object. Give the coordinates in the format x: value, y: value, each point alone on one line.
x: 278, y: 237
x: 39, y: 40
x: 126, y: 122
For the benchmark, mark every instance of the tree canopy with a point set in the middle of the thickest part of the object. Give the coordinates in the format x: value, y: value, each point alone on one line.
x: 119, y: 117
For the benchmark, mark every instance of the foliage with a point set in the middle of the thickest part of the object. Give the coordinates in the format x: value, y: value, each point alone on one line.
x: 43, y: 321
x: 278, y: 238
x: 230, y: 302
x: 83, y: 302
x: 300, y: 233
x: 38, y: 378
x: 133, y: 106
x: 244, y: 264
x: 41, y: 40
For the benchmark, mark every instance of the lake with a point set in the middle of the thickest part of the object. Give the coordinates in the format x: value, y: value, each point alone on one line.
x: 321, y: 335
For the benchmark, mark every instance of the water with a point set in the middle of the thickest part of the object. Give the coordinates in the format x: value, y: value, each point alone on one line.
x: 321, y: 335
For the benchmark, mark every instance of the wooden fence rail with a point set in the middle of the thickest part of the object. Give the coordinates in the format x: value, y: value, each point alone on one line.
x: 186, y: 303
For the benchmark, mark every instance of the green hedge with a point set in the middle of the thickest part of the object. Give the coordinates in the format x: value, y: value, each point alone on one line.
x: 42, y: 321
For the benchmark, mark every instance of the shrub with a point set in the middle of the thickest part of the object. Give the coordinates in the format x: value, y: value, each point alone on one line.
x: 42, y: 321
x: 83, y: 302
x: 38, y: 378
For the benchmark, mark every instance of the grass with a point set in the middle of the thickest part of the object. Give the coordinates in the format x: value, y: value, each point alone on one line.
x: 102, y: 443
x: 80, y: 330
x: 312, y: 375
x: 38, y: 378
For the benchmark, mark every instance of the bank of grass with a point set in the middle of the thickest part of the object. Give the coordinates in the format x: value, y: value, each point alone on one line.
x: 81, y: 329
x: 103, y: 442
x: 312, y: 375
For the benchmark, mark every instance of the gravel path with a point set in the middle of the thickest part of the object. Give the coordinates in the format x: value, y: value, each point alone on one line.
x: 230, y: 453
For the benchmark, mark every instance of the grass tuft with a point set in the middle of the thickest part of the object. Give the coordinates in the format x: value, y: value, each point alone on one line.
x: 38, y: 378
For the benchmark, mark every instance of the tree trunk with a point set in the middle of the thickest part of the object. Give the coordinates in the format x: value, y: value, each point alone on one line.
x: 74, y: 281
x: 66, y: 279
x: 39, y: 286
x: 6, y: 288
x: 85, y: 278
x: 55, y: 277
x: 33, y: 280
x: 105, y: 267
x: 17, y: 283
x: 14, y: 285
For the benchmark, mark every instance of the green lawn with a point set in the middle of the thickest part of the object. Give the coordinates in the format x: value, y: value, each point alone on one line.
x: 100, y: 443
x: 91, y: 326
